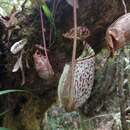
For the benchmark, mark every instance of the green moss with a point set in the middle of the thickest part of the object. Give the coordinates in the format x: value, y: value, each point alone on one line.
x: 29, y: 117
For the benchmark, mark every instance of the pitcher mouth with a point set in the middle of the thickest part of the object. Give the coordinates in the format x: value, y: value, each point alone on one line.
x: 85, y: 58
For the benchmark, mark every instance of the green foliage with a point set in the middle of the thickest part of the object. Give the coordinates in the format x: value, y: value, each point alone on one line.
x: 48, y: 13
x: 2, y: 128
x: 10, y: 91
x: 49, y: 16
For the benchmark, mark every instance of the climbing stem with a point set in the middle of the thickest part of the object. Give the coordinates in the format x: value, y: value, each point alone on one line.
x: 74, y: 50
x: 75, y: 33
x: 43, y: 33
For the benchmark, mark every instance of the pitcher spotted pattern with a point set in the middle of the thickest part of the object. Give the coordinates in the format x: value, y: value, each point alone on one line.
x: 73, y: 93
x: 83, y: 78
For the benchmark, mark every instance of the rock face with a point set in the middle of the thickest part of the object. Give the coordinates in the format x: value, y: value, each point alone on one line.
x: 97, y: 15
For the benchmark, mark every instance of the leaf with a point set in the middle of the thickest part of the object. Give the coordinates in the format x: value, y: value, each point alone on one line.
x: 48, y: 13
x: 3, y: 128
x: 3, y: 92
x: 18, y: 46
x: 16, y: 66
x: 70, y: 2
x: 18, y: 63
x: 22, y: 71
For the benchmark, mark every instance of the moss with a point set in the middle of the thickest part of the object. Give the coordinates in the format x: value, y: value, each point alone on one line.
x: 8, y: 122
x: 29, y: 117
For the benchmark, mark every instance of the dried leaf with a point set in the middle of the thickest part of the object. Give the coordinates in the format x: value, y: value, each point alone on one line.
x: 22, y: 70
x: 18, y: 46
x: 17, y: 65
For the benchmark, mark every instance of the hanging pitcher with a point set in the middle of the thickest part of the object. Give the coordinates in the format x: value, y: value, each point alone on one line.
x: 42, y: 65
x: 73, y: 94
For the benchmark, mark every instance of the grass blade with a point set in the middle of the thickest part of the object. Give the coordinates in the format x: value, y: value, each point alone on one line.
x: 10, y: 91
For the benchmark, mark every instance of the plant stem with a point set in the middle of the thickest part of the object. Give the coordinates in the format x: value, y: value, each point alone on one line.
x: 43, y: 34
x: 75, y: 36
x: 74, y: 48
x: 75, y: 33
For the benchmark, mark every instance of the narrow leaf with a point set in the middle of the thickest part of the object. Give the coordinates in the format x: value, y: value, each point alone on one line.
x: 16, y: 66
x: 10, y: 91
x: 3, y: 128
x: 47, y: 12
x: 18, y: 46
x: 49, y: 15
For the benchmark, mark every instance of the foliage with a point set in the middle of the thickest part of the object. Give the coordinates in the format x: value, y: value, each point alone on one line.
x: 10, y: 91
x: 7, y: 5
x: 2, y: 128
x: 48, y: 13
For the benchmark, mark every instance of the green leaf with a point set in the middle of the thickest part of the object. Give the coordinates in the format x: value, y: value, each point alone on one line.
x: 47, y: 12
x: 49, y: 15
x: 3, y: 128
x: 10, y: 91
